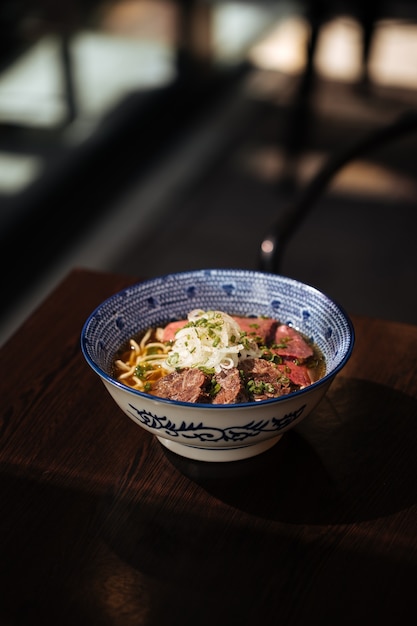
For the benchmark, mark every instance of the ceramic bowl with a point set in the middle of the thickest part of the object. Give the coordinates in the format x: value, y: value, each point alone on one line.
x: 210, y: 432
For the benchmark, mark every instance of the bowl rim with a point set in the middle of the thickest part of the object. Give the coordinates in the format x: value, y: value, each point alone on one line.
x: 327, y: 378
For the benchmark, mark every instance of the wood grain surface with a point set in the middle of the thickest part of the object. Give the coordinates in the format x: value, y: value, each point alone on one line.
x: 100, y: 525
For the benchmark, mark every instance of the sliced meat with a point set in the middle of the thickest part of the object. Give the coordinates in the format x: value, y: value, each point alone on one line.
x: 186, y: 385
x: 298, y: 374
x: 288, y: 342
x: 263, y: 379
x: 171, y: 328
x: 255, y: 327
x: 232, y: 389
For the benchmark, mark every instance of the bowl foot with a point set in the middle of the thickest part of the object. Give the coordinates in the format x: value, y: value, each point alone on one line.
x: 217, y: 455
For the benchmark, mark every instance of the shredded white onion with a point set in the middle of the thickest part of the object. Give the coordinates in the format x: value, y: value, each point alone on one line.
x: 211, y: 339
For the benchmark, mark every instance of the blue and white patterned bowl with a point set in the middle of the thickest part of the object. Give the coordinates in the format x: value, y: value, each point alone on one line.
x: 210, y: 432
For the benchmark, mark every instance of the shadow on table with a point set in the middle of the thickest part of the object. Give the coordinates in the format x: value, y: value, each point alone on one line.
x: 352, y: 460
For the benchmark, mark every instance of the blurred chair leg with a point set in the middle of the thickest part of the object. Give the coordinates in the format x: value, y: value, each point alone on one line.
x: 194, y: 51
x: 299, y: 116
x: 368, y: 15
x: 68, y: 77
x: 290, y: 218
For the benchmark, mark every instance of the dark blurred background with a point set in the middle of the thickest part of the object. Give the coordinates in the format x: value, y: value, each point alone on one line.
x: 146, y: 137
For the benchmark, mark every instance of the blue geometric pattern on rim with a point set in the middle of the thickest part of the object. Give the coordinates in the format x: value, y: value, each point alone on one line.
x: 240, y: 292
x: 204, y: 433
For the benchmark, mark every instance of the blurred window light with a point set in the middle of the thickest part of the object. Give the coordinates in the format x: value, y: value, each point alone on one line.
x: 105, y: 69
x: 284, y: 47
x: 238, y: 25
x: 394, y: 55
x: 339, y: 50
x: 337, y: 54
x: 17, y: 172
x: 31, y: 90
x: 145, y: 19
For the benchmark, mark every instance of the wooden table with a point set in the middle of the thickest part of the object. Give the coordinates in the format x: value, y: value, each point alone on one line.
x: 102, y: 526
